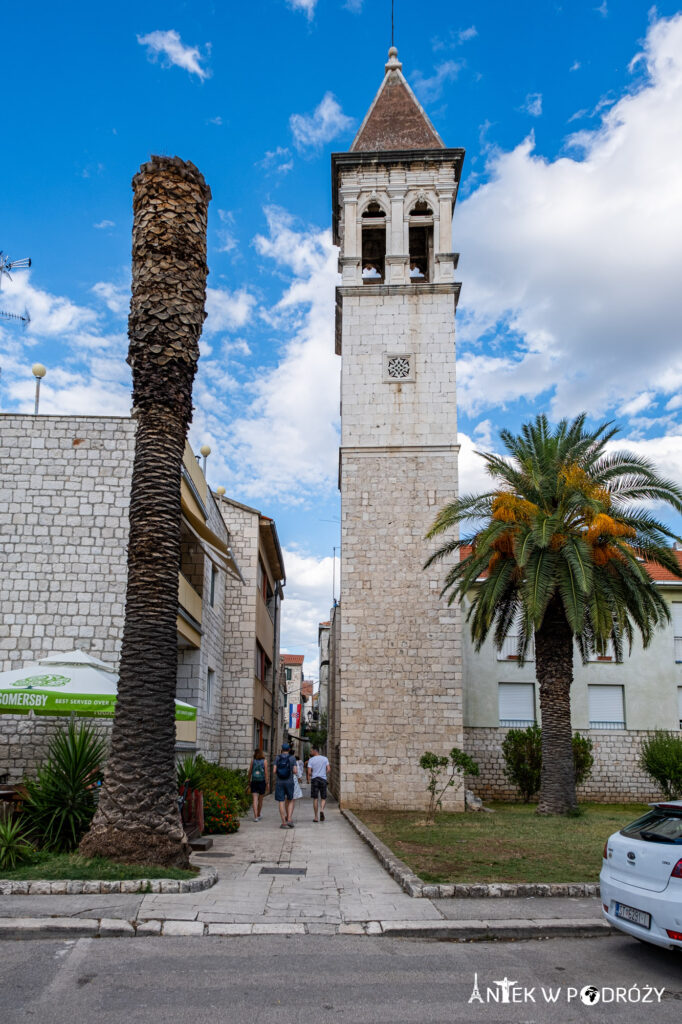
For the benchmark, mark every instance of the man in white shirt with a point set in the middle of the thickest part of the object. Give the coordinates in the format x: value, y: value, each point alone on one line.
x: 318, y: 773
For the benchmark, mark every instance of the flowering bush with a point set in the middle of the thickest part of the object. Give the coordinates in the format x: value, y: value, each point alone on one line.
x: 220, y: 813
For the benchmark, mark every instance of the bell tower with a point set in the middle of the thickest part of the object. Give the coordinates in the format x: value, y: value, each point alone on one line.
x: 399, y: 679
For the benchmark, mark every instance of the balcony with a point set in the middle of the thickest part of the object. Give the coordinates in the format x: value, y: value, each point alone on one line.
x: 189, y: 614
x: 508, y: 650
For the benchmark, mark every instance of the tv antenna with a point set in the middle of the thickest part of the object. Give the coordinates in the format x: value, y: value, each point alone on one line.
x: 25, y: 319
x: 6, y: 264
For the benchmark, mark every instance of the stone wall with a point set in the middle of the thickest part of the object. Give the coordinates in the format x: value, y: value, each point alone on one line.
x: 616, y: 776
x: 24, y: 741
x: 400, y: 654
x: 239, y: 650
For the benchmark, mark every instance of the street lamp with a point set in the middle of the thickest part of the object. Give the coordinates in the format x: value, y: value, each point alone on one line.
x: 205, y: 451
x: 220, y: 491
x: 38, y: 371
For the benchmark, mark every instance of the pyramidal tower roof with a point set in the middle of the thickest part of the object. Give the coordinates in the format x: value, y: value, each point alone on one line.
x: 396, y: 119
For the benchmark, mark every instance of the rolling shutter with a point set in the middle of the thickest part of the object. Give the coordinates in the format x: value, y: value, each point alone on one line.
x: 516, y: 704
x: 607, y: 707
x: 679, y: 705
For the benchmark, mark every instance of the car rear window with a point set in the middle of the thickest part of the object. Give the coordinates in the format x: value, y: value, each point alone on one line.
x: 656, y: 826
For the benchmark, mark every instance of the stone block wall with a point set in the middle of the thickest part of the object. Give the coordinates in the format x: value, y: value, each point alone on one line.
x: 239, y: 650
x: 400, y: 652
x: 616, y: 775
x: 25, y: 739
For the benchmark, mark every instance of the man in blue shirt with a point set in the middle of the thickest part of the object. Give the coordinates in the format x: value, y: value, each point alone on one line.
x: 285, y: 770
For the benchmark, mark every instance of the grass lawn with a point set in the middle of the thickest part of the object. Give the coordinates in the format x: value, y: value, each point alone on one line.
x: 56, y: 866
x: 512, y: 845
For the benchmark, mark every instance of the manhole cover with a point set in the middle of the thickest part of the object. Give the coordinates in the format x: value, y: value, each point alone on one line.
x: 283, y: 871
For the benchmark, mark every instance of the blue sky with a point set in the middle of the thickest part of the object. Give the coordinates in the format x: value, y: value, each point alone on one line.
x: 569, y: 220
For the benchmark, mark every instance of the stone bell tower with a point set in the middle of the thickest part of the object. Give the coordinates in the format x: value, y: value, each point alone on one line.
x: 398, y: 678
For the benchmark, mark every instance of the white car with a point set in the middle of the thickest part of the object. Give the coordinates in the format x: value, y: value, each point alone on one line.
x: 641, y: 877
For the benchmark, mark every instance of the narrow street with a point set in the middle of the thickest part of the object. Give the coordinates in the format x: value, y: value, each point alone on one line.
x: 318, y: 979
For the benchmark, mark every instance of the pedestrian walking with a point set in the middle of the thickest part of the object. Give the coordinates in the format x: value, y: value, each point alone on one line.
x: 318, y: 774
x: 286, y: 771
x: 258, y: 781
x: 298, y: 792
x: 301, y: 770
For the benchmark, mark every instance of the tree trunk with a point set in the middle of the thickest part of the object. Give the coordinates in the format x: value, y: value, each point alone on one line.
x: 137, y: 820
x: 554, y: 668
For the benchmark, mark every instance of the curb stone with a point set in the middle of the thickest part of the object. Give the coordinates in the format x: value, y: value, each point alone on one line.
x: 443, y: 931
x: 206, y: 878
x: 413, y: 885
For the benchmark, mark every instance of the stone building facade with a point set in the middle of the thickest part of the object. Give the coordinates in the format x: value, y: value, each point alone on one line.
x: 616, y: 705
x: 252, y: 631
x: 64, y: 497
x: 399, y: 686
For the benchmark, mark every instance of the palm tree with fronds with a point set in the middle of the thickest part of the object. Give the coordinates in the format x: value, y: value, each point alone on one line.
x: 137, y: 819
x: 559, y: 548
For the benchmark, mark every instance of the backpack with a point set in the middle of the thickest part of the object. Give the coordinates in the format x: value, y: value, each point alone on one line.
x: 258, y: 771
x: 283, y: 764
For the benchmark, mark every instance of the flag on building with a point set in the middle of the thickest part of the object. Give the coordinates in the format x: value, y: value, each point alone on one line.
x: 294, y: 716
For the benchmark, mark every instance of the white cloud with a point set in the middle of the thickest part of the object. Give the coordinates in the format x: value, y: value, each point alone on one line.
x: 473, y: 477
x: 602, y: 9
x: 51, y: 315
x: 277, y: 160
x: 430, y: 89
x: 575, y: 66
x: 310, y: 131
x: 227, y: 310
x: 533, y: 104
x: 284, y: 442
x: 307, y: 6
x: 104, y: 224
x: 227, y: 238
x: 455, y: 38
x: 169, y: 46
x: 116, y: 297
x: 636, y: 404
x: 215, y: 120
x: 579, y: 258
x: 307, y: 600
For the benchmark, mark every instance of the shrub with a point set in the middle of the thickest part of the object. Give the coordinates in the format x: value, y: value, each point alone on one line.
x: 15, y: 848
x: 189, y: 771
x: 61, y: 799
x: 229, y: 782
x: 582, y: 758
x: 220, y: 813
x: 522, y: 751
x: 661, y: 759
x: 444, y: 772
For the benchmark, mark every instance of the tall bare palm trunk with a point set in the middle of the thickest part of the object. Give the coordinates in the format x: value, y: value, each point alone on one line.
x: 554, y: 669
x: 137, y: 820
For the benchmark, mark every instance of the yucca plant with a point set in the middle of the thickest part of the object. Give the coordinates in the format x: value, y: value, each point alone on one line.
x: 61, y: 799
x: 15, y: 849
x: 558, y: 552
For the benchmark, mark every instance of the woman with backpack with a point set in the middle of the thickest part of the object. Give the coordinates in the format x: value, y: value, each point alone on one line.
x: 258, y: 781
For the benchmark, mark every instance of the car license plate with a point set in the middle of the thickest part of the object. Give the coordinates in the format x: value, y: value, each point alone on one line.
x: 639, y: 917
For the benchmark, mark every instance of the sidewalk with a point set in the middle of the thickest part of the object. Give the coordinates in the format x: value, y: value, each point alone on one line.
x: 333, y: 883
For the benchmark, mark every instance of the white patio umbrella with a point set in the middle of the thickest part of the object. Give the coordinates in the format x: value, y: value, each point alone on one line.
x: 68, y: 683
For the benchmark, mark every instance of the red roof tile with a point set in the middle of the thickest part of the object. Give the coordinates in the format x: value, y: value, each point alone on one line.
x: 292, y: 659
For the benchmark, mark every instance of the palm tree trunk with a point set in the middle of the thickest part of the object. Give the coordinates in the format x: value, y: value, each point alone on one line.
x: 137, y: 820
x: 554, y: 668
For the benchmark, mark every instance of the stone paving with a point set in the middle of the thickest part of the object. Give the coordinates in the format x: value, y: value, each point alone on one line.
x: 344, y: 889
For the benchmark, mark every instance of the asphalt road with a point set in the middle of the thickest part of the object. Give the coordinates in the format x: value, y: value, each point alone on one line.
x: 301, y: 980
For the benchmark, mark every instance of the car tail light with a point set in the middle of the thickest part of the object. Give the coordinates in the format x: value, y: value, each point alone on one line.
x: 677, y: 870
x: 674, y: 935
x: 606, y: 850
x: 606, y: 907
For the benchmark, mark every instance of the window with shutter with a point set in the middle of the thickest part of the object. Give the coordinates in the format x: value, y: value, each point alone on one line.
x: 516, y: 704
x: 679, y: 705
x: 607, y: 707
